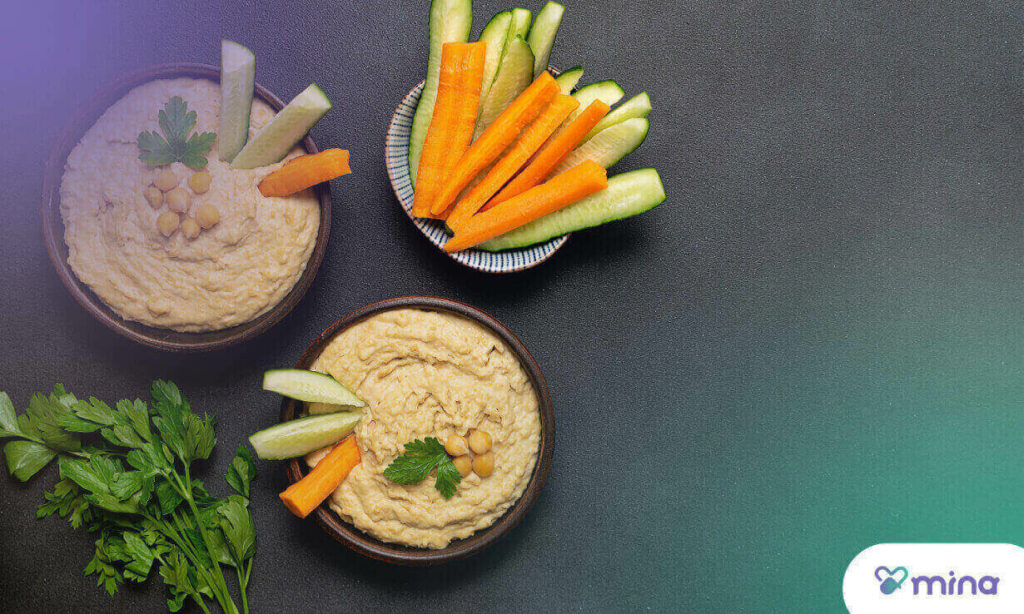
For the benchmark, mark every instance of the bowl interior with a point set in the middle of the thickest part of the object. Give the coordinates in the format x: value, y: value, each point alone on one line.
x: 53, y: 226
x: 396, y: 158
x: 460, y: 549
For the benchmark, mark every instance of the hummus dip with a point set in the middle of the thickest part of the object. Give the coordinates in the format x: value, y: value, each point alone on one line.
x: 429, y: 374
x: 228, y: 275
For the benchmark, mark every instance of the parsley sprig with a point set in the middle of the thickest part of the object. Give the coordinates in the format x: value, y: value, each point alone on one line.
x: 175, y: 145
x: 420, y: 458
x: 126, y: 475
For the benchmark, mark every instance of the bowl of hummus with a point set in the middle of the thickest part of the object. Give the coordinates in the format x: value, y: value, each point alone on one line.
x: 237, y: 263
x: 431, y: 367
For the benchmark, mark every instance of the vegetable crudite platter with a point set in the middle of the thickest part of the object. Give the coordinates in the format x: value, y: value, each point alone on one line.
x: 428, y: 426
x: 497, y: 156
x: 186, y: 208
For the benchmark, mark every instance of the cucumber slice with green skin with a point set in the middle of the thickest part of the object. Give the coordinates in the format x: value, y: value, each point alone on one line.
x: 637, y: 106
x: 449, y: 21
x: 521, y: 19
x: 277, y: 138
x: 627, y: 195
x: 608, y: 146
x: 569, y: 78
x: 310, y: 386
x: 304, y: 435
x: 237, y: 81
x: 608, y: 92
x: 496, y: 34
x: 542, y: 35
x: 514, y: 75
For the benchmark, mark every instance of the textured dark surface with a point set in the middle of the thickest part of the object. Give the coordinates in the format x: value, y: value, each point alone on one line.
x: 814, y: 345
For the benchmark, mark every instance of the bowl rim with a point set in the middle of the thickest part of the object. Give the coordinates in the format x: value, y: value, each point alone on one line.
x: 369, y: 546
x: 53, y: 223
x: 467, y: 261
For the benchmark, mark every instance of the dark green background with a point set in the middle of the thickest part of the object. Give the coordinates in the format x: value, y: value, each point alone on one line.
x: 813, y: 346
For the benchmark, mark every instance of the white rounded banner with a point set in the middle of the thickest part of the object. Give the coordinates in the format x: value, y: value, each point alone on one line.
x: 935, y: 578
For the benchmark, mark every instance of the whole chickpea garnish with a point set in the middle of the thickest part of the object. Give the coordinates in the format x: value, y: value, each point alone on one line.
x: 479, y: 441
x: 207, y: 216
x: 166, y: 180
x: 464, y: 464
x: 154, y: 196
x: 483, y: 464
x: 200, y: 182
x: 167, y: 223
x: 456, y: 445
x: 178, y: 200
x: 190, y: 228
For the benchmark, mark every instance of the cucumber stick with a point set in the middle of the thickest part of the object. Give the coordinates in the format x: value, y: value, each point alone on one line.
x: 568, y: 79
x: 608, y: 146
x: 637, y: 106
x: 627, y: 195
x: 608, y: 92
x: 496, y: 35
x: 449, y: 21
x: 514, y: 75
x: 237, y: 80
x: 521, y: 19
x: 304, y: 435
x: 310, y: 386
x: 542, y: 35
x: 287, y: 128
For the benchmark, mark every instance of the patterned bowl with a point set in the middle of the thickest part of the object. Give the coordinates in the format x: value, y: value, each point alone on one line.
x: 396, y: 158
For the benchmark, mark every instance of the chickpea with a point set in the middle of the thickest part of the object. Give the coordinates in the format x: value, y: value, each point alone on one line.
x: 200, y: 182
x: 154, y: 196
x: 456, y: 446
x: 479, y: 441
x: 207, y: 216
x: 190, y: 228
x: 167, y: 223
x: 464, y: 464
x: 166, y: 180
x: 178, y: 200
x: 483, y: 464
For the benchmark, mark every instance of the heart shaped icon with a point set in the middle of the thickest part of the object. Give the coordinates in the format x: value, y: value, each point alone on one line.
x: 892, y: 580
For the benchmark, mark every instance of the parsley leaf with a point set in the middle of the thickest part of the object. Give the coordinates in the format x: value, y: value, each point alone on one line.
x: 420, y: 458
x: 176, y: 145
x: 241, y: 472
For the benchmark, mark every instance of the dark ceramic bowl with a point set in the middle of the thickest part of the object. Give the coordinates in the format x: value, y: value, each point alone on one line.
x: 53, y: 226
x: 459, y: 549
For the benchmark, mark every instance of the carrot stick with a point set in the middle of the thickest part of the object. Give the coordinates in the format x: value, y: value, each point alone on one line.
x: 533, y: 137
x: 560, y: 191
x: 553, y: 153
x: 451, y: 126
x: 304, y: 496
x: 496, y: 138
x: 306, y: 171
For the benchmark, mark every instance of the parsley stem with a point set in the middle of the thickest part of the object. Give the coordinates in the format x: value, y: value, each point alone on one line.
x: 209, y: 548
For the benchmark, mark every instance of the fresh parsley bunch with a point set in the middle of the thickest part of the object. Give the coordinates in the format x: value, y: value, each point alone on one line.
x: 126, y: 476
x: 175, y: 145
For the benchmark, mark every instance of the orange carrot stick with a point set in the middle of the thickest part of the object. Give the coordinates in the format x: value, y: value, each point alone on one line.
x: 306, y: 171
x: 560, y: 191
x: 451, y: 126
x: 533, y: 137
x: 553, y: 153
x: 304, y: 496
x: 496, y: 138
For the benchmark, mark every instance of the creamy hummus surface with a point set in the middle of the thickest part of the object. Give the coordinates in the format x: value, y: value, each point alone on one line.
x: 228, y: 275
x: 427, y: 374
